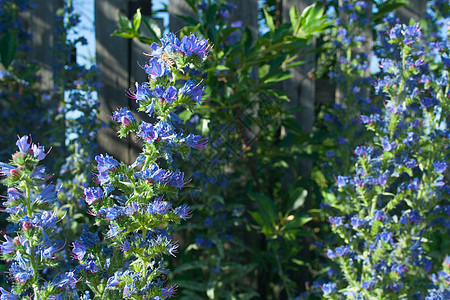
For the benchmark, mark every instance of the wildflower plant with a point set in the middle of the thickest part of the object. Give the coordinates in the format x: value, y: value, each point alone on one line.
x: 30, y: 204
x: 398, y: 197
x: 132, y: 203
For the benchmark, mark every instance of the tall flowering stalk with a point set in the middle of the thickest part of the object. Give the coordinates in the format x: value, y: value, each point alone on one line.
x: 132, y: 204
x: 30, y: 205
x: 398, y: 199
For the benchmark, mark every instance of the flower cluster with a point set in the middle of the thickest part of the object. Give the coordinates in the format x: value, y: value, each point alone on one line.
x: 132, y: 203
x: 398, y: 193
x: 30, y: 205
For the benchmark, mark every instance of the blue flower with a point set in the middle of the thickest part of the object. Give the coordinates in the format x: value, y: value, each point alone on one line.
x: 193, y: 90
x: 22, y: 144
x: 195, y: 141
x: 183, y: 212
x: 336, y: 221
x: 191, y: 45
x: 105, y: 163
x: 92, y: 194
x: 155, y: 68
x: 170, y: 94
x: 7, y: 246
x: 439, y: 166
x: 142, y: 92
x: 6, y: 295
x: 79, y: 250
x: 123, y: 116
x: 328, y: 288
x: 38, y: 152
x: 91, y: 266
x: 147, y: 132
x: 169, y: 292
x: 158, y: 206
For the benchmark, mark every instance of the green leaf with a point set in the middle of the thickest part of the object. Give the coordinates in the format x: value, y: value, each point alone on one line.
x: 124, y: 34
x: 199, y: 264
x: 266, y: 208
x: 124, y: 23
x: 277, y: 78
x: 137, y: 19
x: 295, y: 18
x: 269, y: 20
x: 191, y: 285
x: 8, y: 47
x: 152, y: 27
x: 297, y: 198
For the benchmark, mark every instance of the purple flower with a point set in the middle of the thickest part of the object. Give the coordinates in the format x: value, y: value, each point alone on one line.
x: 331, y: 254
x: 414, y: 184
x: 38, y: 152
x: 328, y: 288
x: 177, y: 179
x: 112, y: 232
x: 91, y: 266
x: 79, y: 250
x: 341, y: 181
x: 193, y: 90
x: 158, y: 206
x: 164, y: 130
x: 387, y: 237
x: 387, y: 145
x: 336, y: 221
x: 183, y: 212
x: 141, y: 94
x: 439, y: 166
x: 6, y: 295
x: 342, y: 251
x: 23, y: 144
x: 367, y: 285
x: 48, y: 194
x: 123, y: 116
x: 68, y: 279
x: 379, y: 215
x: 357, y: 222
x: 155, y: 68
x: 105, y: 163
x: 170, y: 94
x: 169, y: 292
x: 411, y: 33
x: 7, y: 246
x: 196, y: 141
x: 92, y: 194
x: 5, y: 169
x: 147, y: 132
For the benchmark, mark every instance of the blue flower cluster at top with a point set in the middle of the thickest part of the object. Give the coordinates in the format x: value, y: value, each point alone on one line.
x: 132, y: 202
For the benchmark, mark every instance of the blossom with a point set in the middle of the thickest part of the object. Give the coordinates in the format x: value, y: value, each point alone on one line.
x: 195, y: 141
x: 191, y: 45
x: 105, y: 163
x: 193, y: 90
x: 123, y: 116
x: 22, y: 144
x: 6, y: 295
x: 92, y: 194
x: 142, y: 92
x: 169, y: 292
x: 38, y: 152
x: 170, y: 94
x: 155, y: 68
x: 147, y: 132
x: 7, y: 246
x: 328, y: 288
x: 79, y: 250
